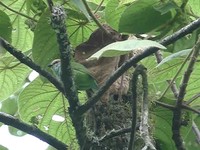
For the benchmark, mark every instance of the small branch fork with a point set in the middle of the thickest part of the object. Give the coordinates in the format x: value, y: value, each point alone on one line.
x: 176, y: 122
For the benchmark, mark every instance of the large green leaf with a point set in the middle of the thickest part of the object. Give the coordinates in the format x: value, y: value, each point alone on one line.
x: 158, y: 76
x: 190, y: 138
x: 162, y: 128
x: 141, y: 17
x: 38, y: 103
x: 124, y: 47
x: 16, y: 132
x: 9, y: 105
x: 185, y: 42
x: 194, y: 6
x: 45, y: 43
x: 79, y: 30
x: 174, y: 56
x: 113, y: 13
x: 81, y: 6
x: 21, y: 36
x: 163, y: 125
x: 5, y: 26
x: 12, y: 76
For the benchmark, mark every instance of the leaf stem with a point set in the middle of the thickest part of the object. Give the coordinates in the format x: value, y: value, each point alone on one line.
x: 21, y: 14
x: 94, y: 18
x: 98, y: 6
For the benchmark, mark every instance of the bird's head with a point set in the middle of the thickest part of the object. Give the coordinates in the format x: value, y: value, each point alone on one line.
x: 55, y: 66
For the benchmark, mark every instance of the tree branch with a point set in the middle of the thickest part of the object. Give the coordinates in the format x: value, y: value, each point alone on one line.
x: 27, y: 61
x: 11, y: 121
x: 171, y: 107
x: 176, y: 122
x: 140, y: 70
x: 58, y: 17
x: 129, y: 63
x: 58, y: 24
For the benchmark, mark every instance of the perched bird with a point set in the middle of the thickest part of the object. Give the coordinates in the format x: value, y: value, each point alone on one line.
x: 82, y: 77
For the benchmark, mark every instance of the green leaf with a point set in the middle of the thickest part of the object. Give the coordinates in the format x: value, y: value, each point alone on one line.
x: 45, y: 42
x: 22, y: 37
x: 158, y: 76
x: 3, y: 148
x: 190, y: 138
x: 162, y: 132
x: 10, y: 105
x: 16, y: 132
x: 81, y: 6
x: 174, y: 56
x: 166, y: 7
x: 185, y: 42
x: 163, y: 125
x: 124, y: 47
x: 98, y: 2
x: 138, y: 18
x: 113, y: 13
x: 5, y: 26
x: 194, y: 6
x: 193, y: 86
x: 40, y: 104
x: 79, y: 30
x: 12, y: 76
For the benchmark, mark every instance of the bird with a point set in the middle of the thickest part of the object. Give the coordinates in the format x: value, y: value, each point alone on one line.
x: 82, y: 77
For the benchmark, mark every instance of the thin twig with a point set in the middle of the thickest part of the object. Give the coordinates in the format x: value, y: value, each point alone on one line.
x: 159, y: 58
x: 97, y: 9
x: 94, y: 18
x: 186, y: 107
x: 176, y: 75
x: 171, y: 107
x: 21, y: 14
x: 176, y: 122
x: 192, y: 99
x: 114, y: 133
x: 32, y: 130
x: 168, y: 106
x: 196, y: 131
x: 129, y: 63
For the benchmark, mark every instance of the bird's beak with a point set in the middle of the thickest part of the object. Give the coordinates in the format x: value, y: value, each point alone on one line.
x: 50, y: 65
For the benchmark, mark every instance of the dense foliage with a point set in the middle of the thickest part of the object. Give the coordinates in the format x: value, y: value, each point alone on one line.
x: 27, y: 26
